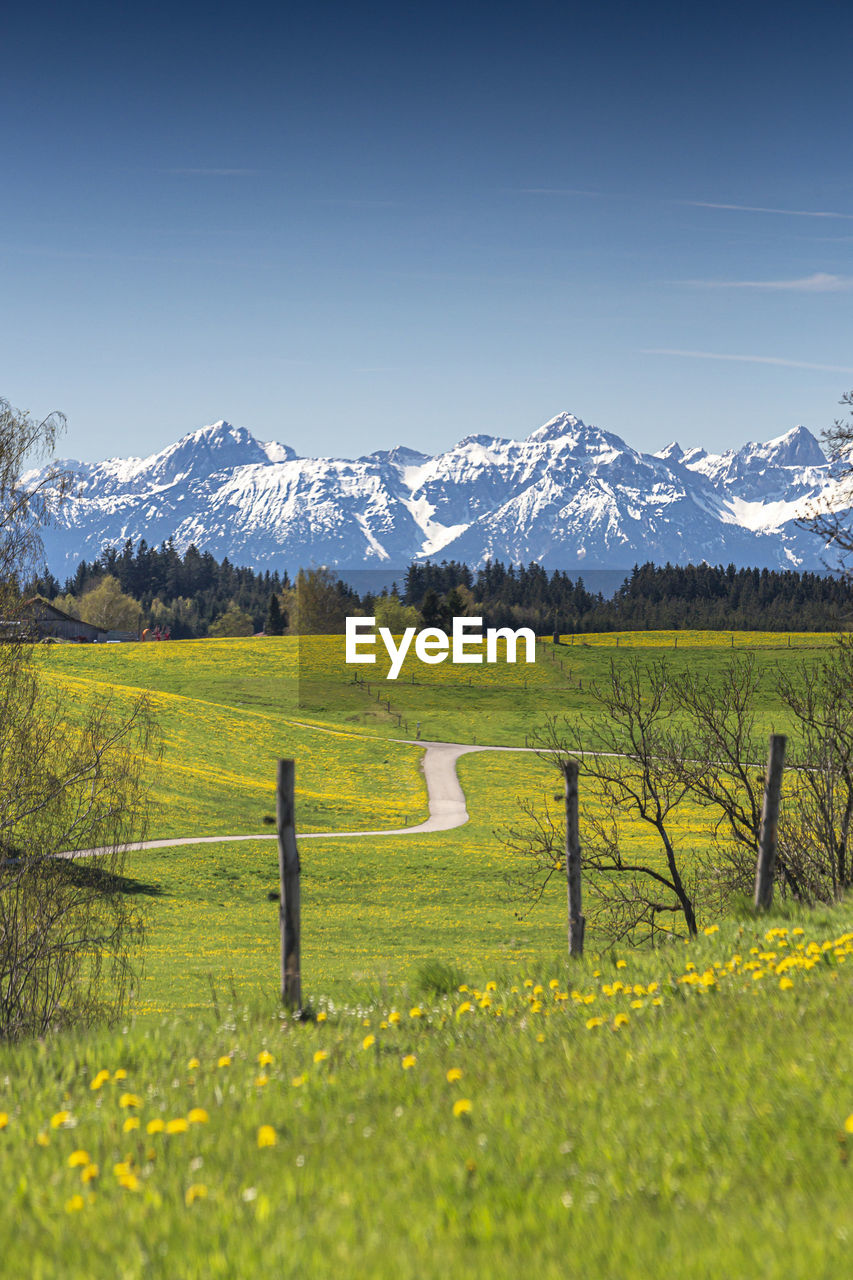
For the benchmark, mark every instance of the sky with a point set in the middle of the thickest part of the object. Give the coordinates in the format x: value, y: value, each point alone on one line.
x: 348, y: 227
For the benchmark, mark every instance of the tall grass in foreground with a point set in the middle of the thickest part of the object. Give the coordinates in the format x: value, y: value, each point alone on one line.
x: 682, y: 1113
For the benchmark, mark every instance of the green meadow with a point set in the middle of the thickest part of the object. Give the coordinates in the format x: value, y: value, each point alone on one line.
x: 464, y: 1101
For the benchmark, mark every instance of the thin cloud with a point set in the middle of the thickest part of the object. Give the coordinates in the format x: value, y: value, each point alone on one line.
x: 757, y: 208
x: 819, y: 282
x: 215, y: 173
x: 774, y: 360
x: 553, y: 191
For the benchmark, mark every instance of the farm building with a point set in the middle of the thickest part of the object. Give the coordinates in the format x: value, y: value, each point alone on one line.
x: 39, y: 619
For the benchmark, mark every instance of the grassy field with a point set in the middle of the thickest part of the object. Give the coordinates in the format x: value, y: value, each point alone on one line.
x: 685, y: 1113
x: 465, y: 1103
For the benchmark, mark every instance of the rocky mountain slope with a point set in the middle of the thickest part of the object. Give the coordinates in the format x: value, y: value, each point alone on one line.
x: 570, y: 496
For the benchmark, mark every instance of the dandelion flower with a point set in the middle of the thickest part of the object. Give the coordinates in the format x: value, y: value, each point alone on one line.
x: 462, y: 1107
x: 100, y: 1079
x: 267, y: 1136
x: 224, y: 1061
x: 297, y: 1081
x: 59, y: 1119
x: 621, y: 964
x: 89, y: 1173
x: 711, y: 928
x: 393, y: 1017
x: 129, y: 1181
x: 4, y: 1119
x: 261, y: 1080
x: 594, y: 1022
x: 265, y: 1058
x: 197, y: 1191
x: 129, y: 1100
x: 409, y: 1061
x: 120, y: 1074
x: 416, y: 1012
x: 77, y: 1158
x: 178, y: 1125
x: 132, y: 1122
x: 368, y: 1042
x: 43, y: 1140
x: 155, y: 1126
x: 621, y: 1020
x: 74, y: 1204
x: 193, y: 1064
x: 198, y: 1115
x: 321, y: 1055
x: 322, y: 1016
x: 454, y: 1074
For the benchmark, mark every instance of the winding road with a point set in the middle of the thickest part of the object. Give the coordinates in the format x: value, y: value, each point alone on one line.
x: 445, y: 798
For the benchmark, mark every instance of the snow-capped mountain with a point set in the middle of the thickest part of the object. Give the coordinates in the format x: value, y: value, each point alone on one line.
x: 569, y: 496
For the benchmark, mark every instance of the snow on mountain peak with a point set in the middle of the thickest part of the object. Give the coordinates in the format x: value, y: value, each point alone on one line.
x: 561, y: 425
x: 566, y: 494
x: 796, y: 448
x: 672, y: 452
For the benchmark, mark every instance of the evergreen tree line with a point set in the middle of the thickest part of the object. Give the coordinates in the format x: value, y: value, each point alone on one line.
x: 191, y: 595
x: 652, y: 597
x: 194, y: 594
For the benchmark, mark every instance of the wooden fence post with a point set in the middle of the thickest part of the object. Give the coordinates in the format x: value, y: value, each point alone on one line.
x: 767, y: 838
x: 577, y: 922
x: 288, y: 867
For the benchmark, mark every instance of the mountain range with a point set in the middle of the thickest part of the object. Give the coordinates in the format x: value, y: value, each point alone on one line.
x: 569, y: 496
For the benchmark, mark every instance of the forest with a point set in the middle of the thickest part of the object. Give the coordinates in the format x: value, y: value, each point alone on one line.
x: 192, y: 594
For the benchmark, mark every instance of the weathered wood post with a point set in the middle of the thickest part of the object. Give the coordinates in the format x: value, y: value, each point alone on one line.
x: 288, y: 867
x: 768, y: 835
x: 577, y: 922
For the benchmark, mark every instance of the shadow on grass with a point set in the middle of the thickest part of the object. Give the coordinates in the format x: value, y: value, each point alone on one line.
x: 93, y: 877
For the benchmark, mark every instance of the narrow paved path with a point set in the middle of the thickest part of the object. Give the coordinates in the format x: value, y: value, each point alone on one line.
x: 445, y: 797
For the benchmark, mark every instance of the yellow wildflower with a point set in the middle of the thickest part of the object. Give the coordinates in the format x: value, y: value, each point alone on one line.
x: 59, y: 1119
x: 409, y: 1061
x: 368, y: 1042
x: 321, y: 1055
x: 74, y: 1204
x: 132, y: 1122
x: 265, y: 1058
x: 155, y: 1126
x: 198, y: 1115
x: 100, y: 1079
x: 462, y: 1107
x: 197, y: 1191
x: 129, y: 1100
x: 193, y: 1064
x: 77, y: 1158
x: 454, y: 1074
x: 178, y: 1125
x: 89, y: 1173
x: 267, y: 1136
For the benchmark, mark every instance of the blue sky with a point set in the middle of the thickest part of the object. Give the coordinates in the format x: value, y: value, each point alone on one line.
x: 348, y: 227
